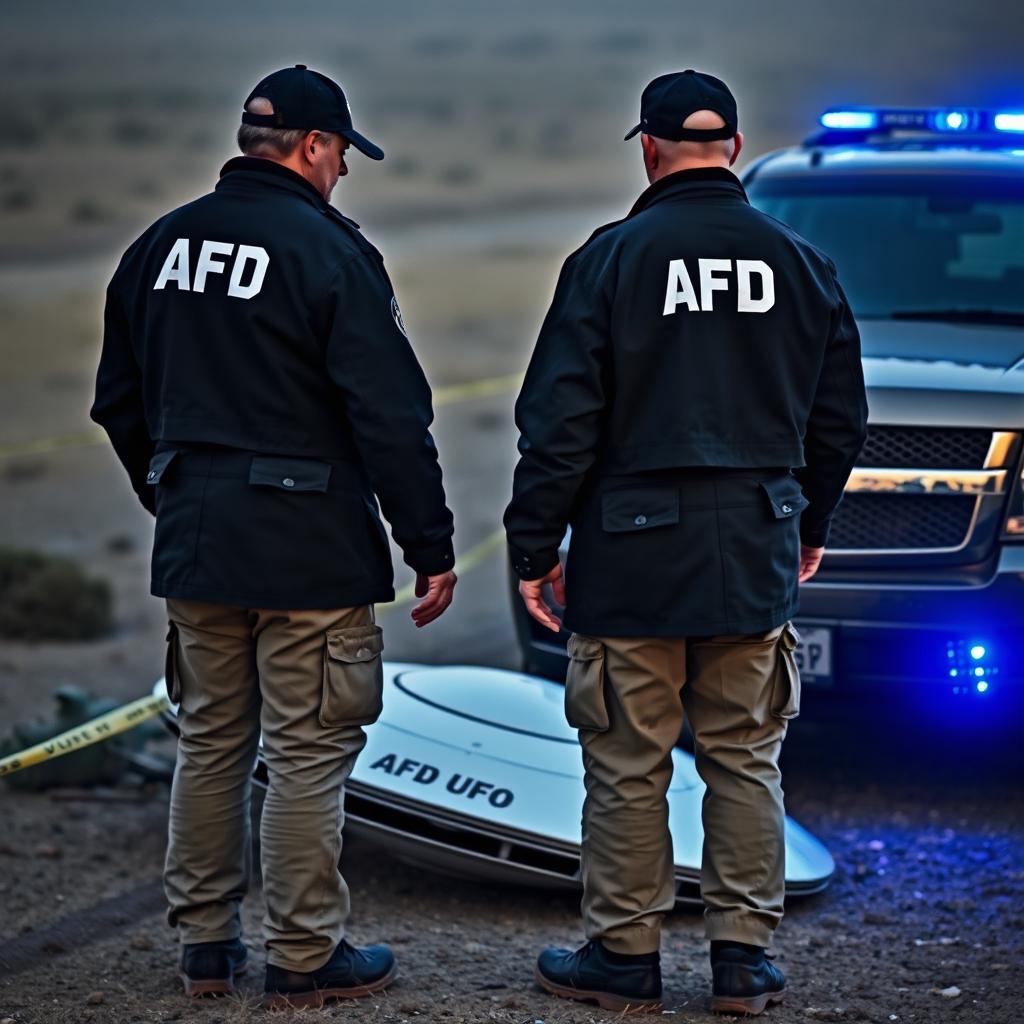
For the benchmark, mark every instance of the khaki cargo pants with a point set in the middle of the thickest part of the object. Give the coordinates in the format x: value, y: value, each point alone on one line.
x: 309, y: 680
x: 627, y: 696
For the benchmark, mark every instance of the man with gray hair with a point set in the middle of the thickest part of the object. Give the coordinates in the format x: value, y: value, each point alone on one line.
x: 693, y: 408
x: 258, y: 385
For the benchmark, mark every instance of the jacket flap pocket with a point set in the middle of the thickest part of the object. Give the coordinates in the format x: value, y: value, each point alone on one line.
x: 358, y: 643
x: 639, y: 508
x: 158, y: 466
x: 785, y: 496
x: 289, y: 474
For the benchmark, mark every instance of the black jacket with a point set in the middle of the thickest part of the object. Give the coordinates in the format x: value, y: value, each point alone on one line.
x: 258, y: 323
x: 695, y: 335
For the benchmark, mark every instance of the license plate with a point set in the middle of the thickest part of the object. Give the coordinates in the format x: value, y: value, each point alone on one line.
x: 814, y: 655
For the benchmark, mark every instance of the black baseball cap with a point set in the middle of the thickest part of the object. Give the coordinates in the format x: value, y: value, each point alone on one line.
x: 670, y: 99
x: 307, y: 99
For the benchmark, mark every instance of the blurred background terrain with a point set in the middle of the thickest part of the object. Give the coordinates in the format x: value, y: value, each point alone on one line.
x: 502, y: 125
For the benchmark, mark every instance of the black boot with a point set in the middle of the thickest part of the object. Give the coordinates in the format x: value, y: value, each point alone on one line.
x: 744, y: 980
x: 593, y: 974
x: 209, y: 968
x: 349, y: 974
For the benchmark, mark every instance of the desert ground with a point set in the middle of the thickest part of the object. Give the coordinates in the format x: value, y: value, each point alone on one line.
x: 503, y: 130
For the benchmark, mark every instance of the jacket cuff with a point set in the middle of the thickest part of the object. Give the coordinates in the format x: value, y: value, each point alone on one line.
x: 814, y: 536
x: 432, y: 561
x: 532, y: 566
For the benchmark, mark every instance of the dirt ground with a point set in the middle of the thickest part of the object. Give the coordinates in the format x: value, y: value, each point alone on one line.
x: 923, y: 921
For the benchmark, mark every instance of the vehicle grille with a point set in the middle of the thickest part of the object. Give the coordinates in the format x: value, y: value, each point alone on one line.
x: 887, y: 511
x: 925, y: 448
x: 901, y: 521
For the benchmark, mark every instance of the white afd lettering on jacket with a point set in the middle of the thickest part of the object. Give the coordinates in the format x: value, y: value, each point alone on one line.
x: 711, y: 275
x: 250, y: 261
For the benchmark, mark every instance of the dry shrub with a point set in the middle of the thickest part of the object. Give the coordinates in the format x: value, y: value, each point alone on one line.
x: 46, y: 597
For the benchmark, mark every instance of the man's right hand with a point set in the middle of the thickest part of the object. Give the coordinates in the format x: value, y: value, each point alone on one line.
x: 810, y: 559
x: 437, y: 592
x: 532, y: 592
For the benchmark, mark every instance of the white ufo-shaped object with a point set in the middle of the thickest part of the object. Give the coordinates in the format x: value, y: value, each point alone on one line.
x: 475, y: 771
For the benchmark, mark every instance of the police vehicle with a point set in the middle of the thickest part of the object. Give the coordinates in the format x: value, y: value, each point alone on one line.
x: 921, y: 591
x: 475, y: 772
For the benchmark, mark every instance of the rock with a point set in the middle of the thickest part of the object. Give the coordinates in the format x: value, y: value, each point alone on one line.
x: 47, y: 850
x: 947, y: 993
x: 142, y: 942
x: 825, y: 1013
x: 873, y: 917
x: 876, y: 844
x: 475, y: 947
x: 95, y: 998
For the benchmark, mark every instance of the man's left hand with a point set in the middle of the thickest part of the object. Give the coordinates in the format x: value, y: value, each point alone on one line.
x: 532, y: 592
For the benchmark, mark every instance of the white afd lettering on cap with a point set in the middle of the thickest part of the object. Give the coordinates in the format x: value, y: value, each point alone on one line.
x: 176, y: 267
x: 680, y: 291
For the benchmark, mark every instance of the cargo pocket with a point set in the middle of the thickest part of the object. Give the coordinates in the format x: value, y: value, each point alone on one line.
x: 172, y: 677
x: 353, y: 684
x: 786, y: 686
x: 585, y: 704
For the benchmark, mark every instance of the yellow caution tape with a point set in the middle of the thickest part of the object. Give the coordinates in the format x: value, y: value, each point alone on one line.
x: 442, y: 396
x: 99, y: 729
x: 138, y: 711
x: 54, y: 444
x: 477, y: 389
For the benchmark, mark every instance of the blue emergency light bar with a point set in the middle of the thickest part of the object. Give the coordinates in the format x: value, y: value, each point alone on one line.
x: 923, y: 119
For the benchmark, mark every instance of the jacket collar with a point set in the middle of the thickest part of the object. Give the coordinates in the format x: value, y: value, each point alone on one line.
x: 697, y: 183
x: 273, y: 174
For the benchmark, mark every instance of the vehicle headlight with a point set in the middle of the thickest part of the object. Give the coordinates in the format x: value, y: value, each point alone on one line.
x: 1013, y: 530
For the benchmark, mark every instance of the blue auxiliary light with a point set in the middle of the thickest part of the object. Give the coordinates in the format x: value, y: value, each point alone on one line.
x: 971, y: 667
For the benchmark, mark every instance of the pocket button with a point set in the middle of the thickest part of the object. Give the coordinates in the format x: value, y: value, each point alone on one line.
x: 640, y: 520
x: 787, y: 508
x: 288, y: 482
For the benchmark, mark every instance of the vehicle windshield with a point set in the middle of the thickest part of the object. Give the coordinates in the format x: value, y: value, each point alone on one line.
x: 910, y: 247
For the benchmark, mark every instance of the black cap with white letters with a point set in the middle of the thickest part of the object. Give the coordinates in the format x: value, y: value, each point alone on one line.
x: 307, y: 99
x: 670, y: 99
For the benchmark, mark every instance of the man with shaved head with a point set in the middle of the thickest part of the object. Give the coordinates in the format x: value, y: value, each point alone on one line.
x: 693, y: 409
